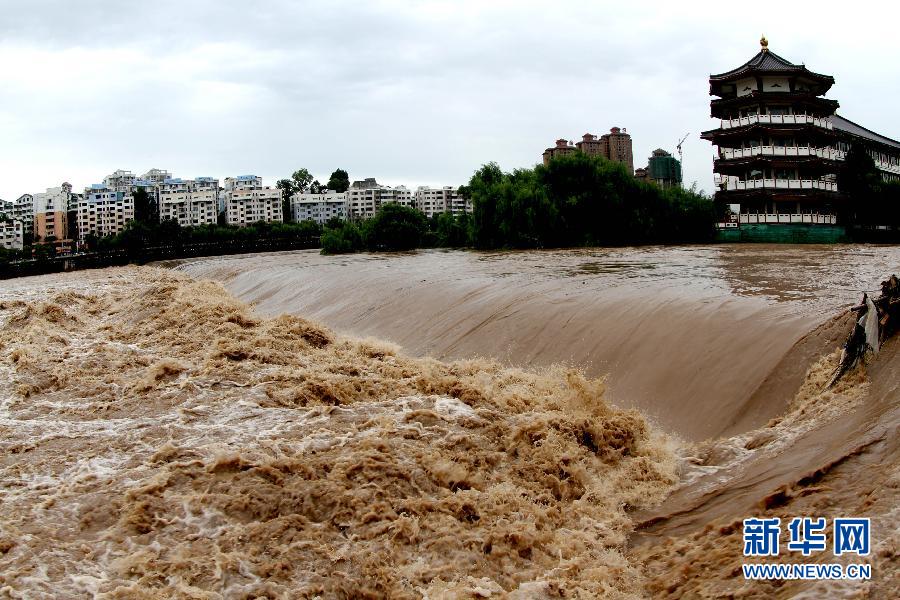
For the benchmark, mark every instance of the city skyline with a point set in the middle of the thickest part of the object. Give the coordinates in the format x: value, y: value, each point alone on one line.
x: 409, y: 93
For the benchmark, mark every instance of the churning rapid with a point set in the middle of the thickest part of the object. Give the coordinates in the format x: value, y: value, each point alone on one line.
x: 684, y: 333
x: 163, y: 439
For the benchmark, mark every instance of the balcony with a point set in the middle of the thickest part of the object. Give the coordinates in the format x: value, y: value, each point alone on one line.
x: 888, y: 167
x: 779, y: 151
x: 777, y: 120
x: 809, y: 218
x: 780, y: 184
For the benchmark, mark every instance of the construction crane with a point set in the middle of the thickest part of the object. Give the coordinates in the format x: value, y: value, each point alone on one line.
x: 680, y: 155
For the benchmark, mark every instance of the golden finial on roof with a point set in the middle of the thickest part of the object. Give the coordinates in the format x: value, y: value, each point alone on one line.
x: 764, y: 43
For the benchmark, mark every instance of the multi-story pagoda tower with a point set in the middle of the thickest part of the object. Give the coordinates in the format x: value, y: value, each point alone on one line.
x: 776, y: 153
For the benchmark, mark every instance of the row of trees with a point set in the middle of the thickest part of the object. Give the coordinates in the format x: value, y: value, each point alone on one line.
x: 141, y: 237
x: 395, y: 228
x: 873, y: 201
x: 576, y: 200
x: 582, y: 200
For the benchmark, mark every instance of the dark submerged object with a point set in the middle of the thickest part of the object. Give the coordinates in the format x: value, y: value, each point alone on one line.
x: 878, y: 320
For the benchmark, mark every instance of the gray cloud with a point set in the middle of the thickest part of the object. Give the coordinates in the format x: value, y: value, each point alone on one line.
x: 409, y: 92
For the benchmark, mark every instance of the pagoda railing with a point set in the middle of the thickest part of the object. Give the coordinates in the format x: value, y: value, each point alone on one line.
x: 782, y: 184
x: 886, y: 166
x: 822, y: 122
x: 811, y: 218
x: 827, y: 153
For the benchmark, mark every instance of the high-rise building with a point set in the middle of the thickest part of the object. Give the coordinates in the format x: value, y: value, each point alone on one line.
x: 21, y: 209
x: 247, y: 201
x: 365, y: 197
x: 190, y: 202
x: 12, y: 234
x: 615, y: 146
x: 51, y: 217
x: 127, y: 183
x: 561, y: 148
x: 120, y: 180
x: 663, y: 169
x: 156, y: 176
x: 318, y: 207
x: 212, y: 184
x: 103, y: 211
x: 432, y: 201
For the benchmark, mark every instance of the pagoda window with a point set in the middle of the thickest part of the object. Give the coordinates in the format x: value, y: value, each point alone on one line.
x: 779, y: 110
x: 785, y: 174
x: 754, y: 174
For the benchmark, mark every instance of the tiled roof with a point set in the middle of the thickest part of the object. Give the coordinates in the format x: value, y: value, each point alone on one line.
x: 847, y: 126
x: 768, y: 61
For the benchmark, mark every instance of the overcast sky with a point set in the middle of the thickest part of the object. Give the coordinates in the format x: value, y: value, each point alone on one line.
x: 407, y: 92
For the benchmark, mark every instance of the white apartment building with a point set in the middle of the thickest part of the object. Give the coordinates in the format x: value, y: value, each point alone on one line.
x: 127, y: 183
x: 364, y: 198
x: 55, y: 199
x: 318, y: 207
x: 190, y: 202
x: 12, y: 234
x: 156, y: 176
x: 247, y: 201
x: 103, y: 211
x: 21, y: 209
x: 119, y: 180
x: 51, y: 209
x: 211, y: 184
x: 432, y: 201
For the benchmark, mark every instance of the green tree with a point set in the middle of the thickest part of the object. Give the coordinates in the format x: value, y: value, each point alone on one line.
x: 450, y: 231
x: 339, y: 181
x: 301, y: 178
x: 287, y: 190
x: 860, y: 181
x: 341, y: 238
x: 334, y: 223
x: 43, y: 252
x: 395, y: 227
x: 145, y: 209
x: 92, y: 241
x: 580, y: 200
x: 299, y: 182
x: 7, y: 256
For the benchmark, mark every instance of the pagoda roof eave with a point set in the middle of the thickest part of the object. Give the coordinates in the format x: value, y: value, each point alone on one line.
x: 779, y: 127
x: 767, y: 62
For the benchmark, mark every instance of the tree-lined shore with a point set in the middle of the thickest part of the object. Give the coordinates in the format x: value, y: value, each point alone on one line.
x: 576, y: 200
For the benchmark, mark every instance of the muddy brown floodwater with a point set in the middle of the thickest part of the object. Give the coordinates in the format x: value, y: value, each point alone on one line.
x: 435, y: 424
x: 686, y: 334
